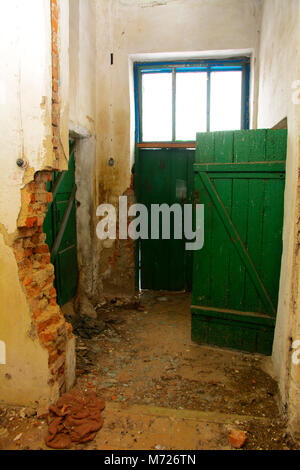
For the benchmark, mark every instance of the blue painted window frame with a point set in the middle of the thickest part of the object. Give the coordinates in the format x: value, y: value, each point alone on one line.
x: 209, y: 65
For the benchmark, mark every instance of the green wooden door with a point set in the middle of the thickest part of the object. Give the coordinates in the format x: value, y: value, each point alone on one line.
x: 60, y: 229
x: 164, y: 176
x: 240, y: 178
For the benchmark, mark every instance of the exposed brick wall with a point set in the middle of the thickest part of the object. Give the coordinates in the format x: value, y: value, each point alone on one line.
x: 31, y: 251
x: 37, y: 275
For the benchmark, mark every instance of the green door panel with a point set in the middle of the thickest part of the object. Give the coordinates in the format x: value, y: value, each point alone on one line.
x: 60, y: 229
x: 240, y: 179
x: 164, y: 176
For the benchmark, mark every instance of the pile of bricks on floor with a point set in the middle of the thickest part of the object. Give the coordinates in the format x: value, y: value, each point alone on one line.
x: 75, y: 418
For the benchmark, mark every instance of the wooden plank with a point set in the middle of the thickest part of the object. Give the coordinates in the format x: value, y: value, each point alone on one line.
x: 276, y: 145
x: 251, y: 317
x: 250, y: 146
x: 281, y: 124
x: 220, y: 286
x: 272, y: 237
x: 237, y: 269
x: 202, y: 273
x: 254, y: 240
x: 205, y: 147
x: 247, y: 176
x: 167, y: 145
x: 202, y: 258
x: 239, y: 245
x: 227, y: 330
x: 238, y: 167
x: 63, y: 224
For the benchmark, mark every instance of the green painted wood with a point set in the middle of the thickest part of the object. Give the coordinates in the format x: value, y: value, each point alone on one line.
x: 164, y: 176
x: 255, y: 167
x: 60, y: 229
x: 233, y: 330
x: 245, y: 175
x: 240, y: 178
x: 236, y: 239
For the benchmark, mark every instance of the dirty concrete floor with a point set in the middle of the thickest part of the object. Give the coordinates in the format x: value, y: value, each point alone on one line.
x: 161, y: 390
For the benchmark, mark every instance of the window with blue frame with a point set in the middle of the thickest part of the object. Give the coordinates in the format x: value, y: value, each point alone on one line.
x: 175, y: 100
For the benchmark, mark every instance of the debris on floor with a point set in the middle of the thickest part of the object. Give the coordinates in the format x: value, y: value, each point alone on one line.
x: 76, y: 417
x: 237, y: 438
x: 161, y: 390
x: 87, y: 327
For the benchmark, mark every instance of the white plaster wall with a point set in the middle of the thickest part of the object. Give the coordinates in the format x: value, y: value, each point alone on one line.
x: 82, y: 96
x: 25, y: 98
x: 279, y: 67
x: 127, y: 28
x: 82, y: 82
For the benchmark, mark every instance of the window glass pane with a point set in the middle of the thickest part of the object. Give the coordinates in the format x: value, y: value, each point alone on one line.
x: 157, y: 106
x: 226, y: 101
x: 191, y: 93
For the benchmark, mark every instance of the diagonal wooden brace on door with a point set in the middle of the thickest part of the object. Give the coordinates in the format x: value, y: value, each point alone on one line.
x: 239, y: 245
x: 63, y: 224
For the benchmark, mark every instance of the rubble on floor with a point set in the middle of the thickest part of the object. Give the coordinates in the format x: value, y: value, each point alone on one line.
x: 76, y: 417
x: 162, y: 390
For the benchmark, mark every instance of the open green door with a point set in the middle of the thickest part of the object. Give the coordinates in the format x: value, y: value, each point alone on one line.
x: 240, y: 179
x: 60, y: 229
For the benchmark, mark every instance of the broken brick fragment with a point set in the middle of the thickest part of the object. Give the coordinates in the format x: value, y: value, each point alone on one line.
x: 237, y: 438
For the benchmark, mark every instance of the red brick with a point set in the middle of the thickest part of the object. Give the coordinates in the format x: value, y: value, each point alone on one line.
x: 237, y: 438
x: 54, y: 121
x: 50, y: 321
x: 27, y: 280
x: 55, y: 62
x: 33, y: 291
x: 31, y: 221
x: 55, y: 73
x: 41, y: 249
x: 37, y: 313
x: 44, y: 259
x: 48, y: 283
x: 40, y: 221
x: 31, y: 186
x: 54, y: 48
x: 58, y: 364
x: 28, y: 252
x: 55, y: 99
x: 52, y: 292
x: 54, y: 9
x: 54, y: 24
x: 19, y: 254
x: 47, y: 336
